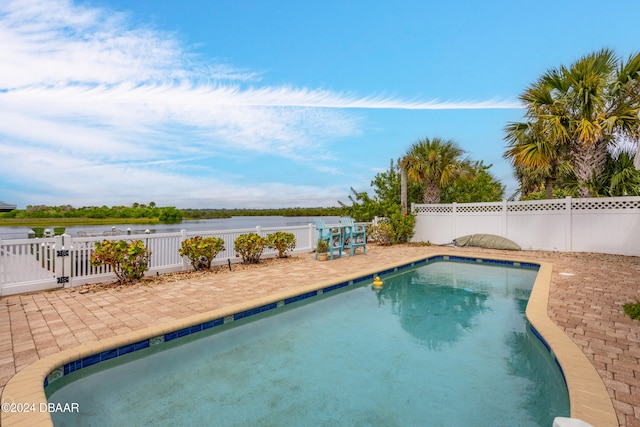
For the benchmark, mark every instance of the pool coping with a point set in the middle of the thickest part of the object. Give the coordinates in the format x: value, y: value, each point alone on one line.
x: 589, y: 399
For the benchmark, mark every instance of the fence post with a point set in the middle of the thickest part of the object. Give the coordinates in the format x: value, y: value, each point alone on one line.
x: 3, y: 273
x: 185, y: 260
x: 62, y: 260
x: 568, y: 231
x: 312, y: 241
x: 453, y: 220
x: 505, y: 217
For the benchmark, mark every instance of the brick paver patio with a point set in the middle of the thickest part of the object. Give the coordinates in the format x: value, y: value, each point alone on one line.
x: 586, y: 298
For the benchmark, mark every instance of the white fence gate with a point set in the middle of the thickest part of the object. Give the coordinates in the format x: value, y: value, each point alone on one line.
x: 28, y: 265
x: 605, y: 225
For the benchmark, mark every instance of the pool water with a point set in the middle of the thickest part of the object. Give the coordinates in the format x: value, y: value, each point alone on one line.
x: 445, y: 344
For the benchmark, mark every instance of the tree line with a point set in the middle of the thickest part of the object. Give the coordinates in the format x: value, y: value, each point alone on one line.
x: 162, y: 214
x: 228, y: 213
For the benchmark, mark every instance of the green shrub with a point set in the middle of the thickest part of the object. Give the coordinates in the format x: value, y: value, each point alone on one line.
x: 128, y: 260
x: 403, y: 226
x: 250, y: 247
x: 10, y: 214
x: 382, y: 233
x: 633, y: 309
x: 201, y: 251
x: 282, y: 241
x: 396, y: 228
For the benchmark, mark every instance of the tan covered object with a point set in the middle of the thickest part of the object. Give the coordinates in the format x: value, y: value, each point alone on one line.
x: 490, y: 241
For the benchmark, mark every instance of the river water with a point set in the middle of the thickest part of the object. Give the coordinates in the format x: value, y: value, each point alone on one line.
x: 233, y: 223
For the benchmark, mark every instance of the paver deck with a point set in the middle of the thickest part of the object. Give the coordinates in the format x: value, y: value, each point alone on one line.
x: 585, y: 301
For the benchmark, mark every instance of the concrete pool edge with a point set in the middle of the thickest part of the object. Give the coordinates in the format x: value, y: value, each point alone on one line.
x: 588, y: 397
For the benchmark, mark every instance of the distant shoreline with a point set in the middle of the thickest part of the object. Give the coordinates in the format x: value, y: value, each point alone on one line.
x: 51, y: 222
x: 20, y: 228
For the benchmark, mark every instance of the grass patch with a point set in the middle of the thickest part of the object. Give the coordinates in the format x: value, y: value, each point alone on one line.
x: 633, y: 309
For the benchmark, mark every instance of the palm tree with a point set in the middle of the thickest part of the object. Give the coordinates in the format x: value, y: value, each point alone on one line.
x: 582, y: 110
x: 530, y: 181
x: 589, y: 101
x: 622, y: 176
x: 534, y: 155
x: 436, y: 163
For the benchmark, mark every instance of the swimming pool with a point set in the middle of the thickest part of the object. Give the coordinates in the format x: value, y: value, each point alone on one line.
x: 433, y: 337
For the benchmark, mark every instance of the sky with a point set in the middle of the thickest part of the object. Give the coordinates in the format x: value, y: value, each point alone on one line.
x: 267, y: 103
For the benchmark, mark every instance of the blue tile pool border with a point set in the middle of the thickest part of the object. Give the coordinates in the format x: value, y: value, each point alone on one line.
x: 85, y: 362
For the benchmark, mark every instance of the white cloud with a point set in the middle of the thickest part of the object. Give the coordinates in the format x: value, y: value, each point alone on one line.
x: 83, y: 90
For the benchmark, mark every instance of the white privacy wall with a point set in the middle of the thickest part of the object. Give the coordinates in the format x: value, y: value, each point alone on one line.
x: 606, y: 225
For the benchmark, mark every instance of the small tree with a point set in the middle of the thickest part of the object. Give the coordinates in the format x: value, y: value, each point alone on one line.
x: 201, y: 251
x: 250, y: 247
x: 282, y: 241
x: 128, y: 260
x: 436, y: 163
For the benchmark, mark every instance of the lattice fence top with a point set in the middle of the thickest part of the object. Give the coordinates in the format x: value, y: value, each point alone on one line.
x: 609, y: 203
x: 479, y: 208
x: 551, y: 205
x: 592, y: 204
x: 418, y: 209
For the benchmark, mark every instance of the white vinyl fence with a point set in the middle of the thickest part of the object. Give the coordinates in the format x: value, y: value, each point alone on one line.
x: 28, y: 265
x: 604, y: 225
